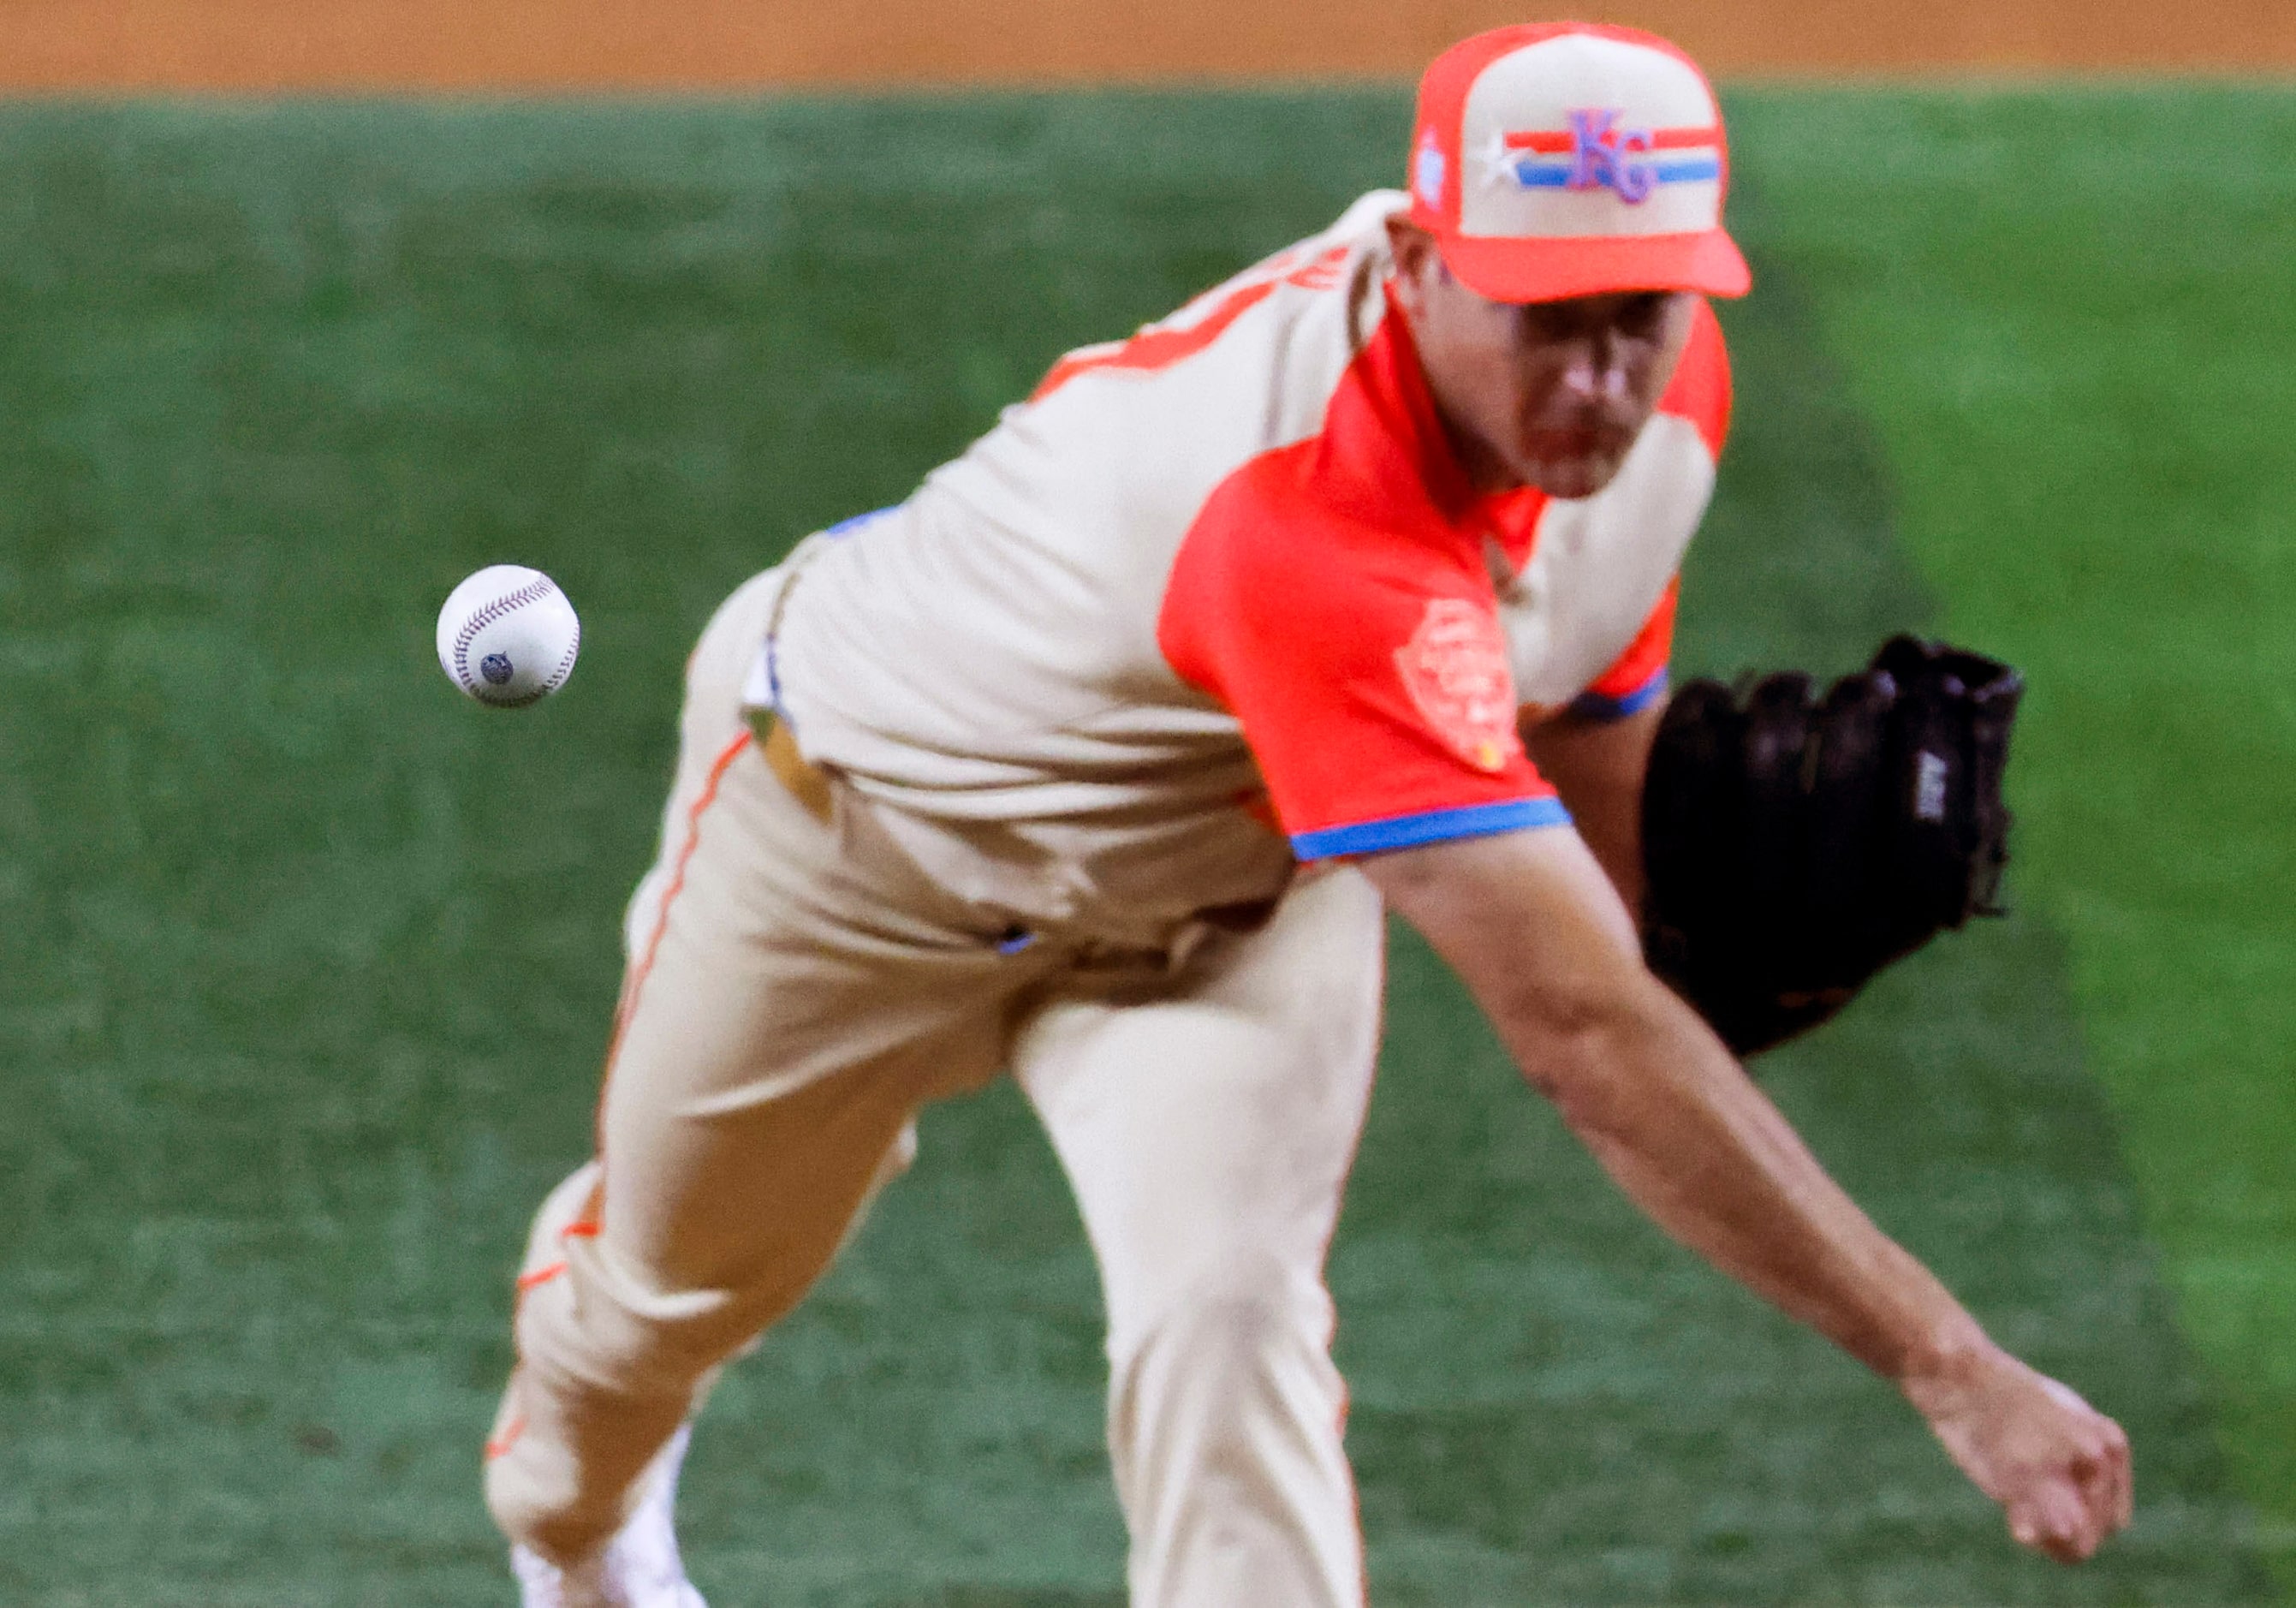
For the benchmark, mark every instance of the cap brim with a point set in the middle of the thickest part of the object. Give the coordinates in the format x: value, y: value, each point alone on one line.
x: 1511, y: 268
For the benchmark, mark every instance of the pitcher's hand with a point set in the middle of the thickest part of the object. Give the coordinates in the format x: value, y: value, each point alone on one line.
x: 2058, y: 1467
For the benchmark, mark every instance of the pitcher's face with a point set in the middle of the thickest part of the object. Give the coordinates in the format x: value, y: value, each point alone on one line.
x: 1551, y: 394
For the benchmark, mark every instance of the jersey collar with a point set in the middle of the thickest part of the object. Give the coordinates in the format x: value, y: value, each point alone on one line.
x: 1393, y: 405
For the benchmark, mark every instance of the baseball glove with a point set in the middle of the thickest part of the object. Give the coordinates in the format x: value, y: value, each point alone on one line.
x: 1795, y: 845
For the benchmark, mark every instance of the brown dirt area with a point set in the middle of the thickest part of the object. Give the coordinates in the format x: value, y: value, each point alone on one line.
x: 543, y: 46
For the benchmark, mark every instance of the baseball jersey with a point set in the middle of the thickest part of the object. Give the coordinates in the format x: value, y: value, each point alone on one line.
x: 1219, y: 599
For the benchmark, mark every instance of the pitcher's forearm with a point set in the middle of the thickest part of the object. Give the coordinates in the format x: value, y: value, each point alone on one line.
x: 1531, y: 925
x: 1688, y: 1136
x: 1541, y: 937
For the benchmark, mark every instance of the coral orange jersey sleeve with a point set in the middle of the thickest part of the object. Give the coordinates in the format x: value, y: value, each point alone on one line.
x: 1364, y: 658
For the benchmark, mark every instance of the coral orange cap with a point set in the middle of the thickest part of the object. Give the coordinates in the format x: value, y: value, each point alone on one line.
x: 1573, y: 158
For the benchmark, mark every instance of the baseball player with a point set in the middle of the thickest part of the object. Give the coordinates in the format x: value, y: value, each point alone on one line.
x: 1348, y: 587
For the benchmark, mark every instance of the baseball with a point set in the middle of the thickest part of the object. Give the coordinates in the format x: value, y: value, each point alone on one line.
x: 508, y: 637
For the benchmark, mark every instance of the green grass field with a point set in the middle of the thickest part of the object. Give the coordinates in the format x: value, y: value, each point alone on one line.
x: 306, y: 963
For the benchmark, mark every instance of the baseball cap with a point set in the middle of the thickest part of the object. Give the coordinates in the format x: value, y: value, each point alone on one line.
x: 1573, y: 158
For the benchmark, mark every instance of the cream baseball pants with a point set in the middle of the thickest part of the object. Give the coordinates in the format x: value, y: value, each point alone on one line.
x: 797, y: 988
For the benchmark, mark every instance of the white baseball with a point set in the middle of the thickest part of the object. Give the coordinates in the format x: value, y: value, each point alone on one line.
x: 508, y: 637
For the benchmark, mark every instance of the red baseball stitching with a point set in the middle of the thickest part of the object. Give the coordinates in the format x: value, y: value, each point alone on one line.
x: 534, y: 591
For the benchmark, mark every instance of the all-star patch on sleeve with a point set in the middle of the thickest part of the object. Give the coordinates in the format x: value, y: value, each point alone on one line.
x: 1364, y: 660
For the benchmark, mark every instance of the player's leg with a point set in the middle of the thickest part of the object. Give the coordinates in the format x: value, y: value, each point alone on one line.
x: 1207, y: 1127
x: 794, y: 993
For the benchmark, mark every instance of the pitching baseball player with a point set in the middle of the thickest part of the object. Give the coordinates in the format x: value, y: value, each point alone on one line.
x: 1348, y: 587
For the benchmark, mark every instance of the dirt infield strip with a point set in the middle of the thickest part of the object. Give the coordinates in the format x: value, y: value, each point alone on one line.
x: 322, y: 46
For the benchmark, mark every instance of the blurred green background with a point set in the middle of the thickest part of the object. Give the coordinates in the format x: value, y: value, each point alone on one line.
x: 306, y: 963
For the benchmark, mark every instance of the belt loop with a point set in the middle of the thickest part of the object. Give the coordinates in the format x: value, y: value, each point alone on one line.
x: 806, y: 781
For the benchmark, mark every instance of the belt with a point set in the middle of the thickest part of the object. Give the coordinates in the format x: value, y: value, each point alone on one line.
x: 808, y: 785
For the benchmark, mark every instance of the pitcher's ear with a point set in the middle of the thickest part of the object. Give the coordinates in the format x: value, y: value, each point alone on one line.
x: 1417, y: 260
x: 1412, y: 245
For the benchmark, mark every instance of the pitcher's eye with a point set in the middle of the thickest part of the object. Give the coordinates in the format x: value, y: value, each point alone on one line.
x: 1643, y: 311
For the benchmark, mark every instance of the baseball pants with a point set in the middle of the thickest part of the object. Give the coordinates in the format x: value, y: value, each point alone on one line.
x: 797, y: 990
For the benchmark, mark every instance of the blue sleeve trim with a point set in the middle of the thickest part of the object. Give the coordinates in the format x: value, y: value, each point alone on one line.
x: 1598, y: 706
x: 845, y: 527
x: 1433, y: 826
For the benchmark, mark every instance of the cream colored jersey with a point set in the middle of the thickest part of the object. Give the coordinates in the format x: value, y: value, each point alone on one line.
x: 1218, y: 599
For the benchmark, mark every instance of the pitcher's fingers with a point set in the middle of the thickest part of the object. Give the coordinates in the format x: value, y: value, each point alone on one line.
x: 2105, y: 1482
x: 2081, y: 1531
x: 2121, y: 1493
x: 2095, y: 1523
x: 2054, y: 1519
x: 2059, y: 1548
x: 2124, y: 1469
x: 2030, y: 1530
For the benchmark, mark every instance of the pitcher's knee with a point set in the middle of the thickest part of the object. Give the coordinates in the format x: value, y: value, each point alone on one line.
x: 1236, y: 1364
x: 1224, y: 1434
x: 1243, y: 1298
x: 610, y: 1330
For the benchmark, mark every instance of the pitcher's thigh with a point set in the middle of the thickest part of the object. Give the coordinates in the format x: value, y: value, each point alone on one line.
x: 1208, y: 1134
x: 772, y: 1049
x: 776, y: 1032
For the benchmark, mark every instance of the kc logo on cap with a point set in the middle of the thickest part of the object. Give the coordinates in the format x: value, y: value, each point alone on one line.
x: 1605, y: 153
x: 1570, y: 160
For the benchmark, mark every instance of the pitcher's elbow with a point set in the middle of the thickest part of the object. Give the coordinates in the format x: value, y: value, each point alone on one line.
x: 1577, y: 1047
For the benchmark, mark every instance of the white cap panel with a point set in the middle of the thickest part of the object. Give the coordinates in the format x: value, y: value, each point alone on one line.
x: 1602, y: 102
